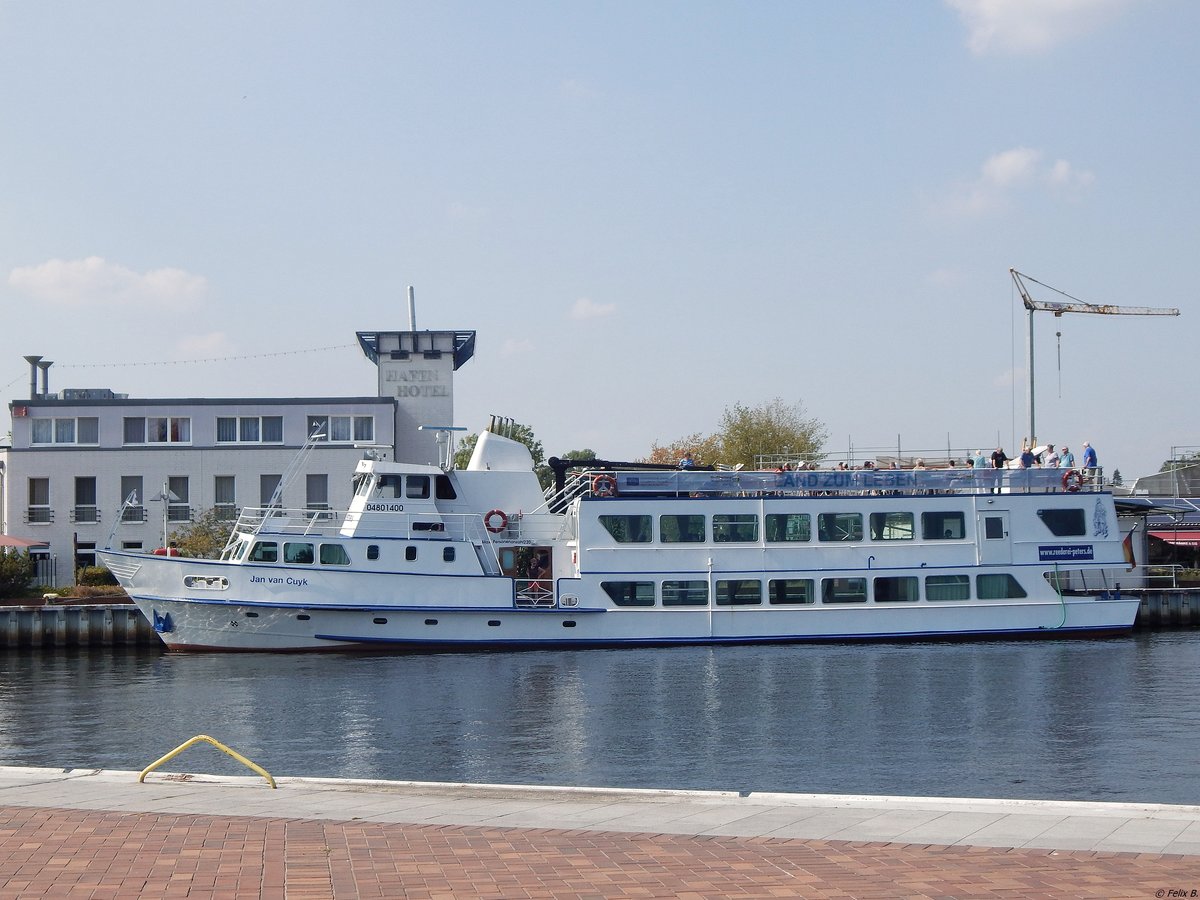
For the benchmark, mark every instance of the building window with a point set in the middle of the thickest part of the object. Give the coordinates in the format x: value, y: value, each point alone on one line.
x: 131, y: 492
x: 316, y: 491
x: 83, y: 430
x: 342, y: 429
x: 158, y: 430
x: 266, y: 490
x: 224, y: 497
x: 250, y: 429
x: 39, y: 512
x: 85, y: 510
x: 178, y: 504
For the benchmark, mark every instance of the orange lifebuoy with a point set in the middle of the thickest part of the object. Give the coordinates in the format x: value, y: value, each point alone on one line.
x: 495, y: 521
x: 1072, y: 480
x: 604, y: 486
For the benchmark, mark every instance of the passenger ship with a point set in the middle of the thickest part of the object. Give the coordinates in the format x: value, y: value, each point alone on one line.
x: 429, y: 556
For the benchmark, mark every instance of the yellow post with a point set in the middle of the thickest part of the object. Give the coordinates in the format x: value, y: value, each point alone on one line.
x: 204, y: 738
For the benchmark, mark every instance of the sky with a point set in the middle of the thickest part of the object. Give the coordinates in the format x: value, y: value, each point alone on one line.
x: 648, y: 212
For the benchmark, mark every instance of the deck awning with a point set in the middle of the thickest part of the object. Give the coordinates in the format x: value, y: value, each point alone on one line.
x: 1179, y: 538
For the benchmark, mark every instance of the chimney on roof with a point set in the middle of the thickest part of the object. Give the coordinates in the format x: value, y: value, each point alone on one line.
x: 45, y: 365
x: 33, y: 378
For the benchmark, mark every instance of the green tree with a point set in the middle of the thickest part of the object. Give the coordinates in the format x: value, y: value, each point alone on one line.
x: 204, y: 538
x: 775, y: 427
x: 16, y: 571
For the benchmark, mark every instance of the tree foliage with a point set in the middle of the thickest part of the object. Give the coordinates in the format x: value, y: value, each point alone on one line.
x: 772, y: 428
x: 16, y: 572
x: 204, y: 538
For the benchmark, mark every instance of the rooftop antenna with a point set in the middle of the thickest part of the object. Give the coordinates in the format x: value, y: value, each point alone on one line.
x: 445, y: 446
x: 1058, y: 308
x: 412, y: 309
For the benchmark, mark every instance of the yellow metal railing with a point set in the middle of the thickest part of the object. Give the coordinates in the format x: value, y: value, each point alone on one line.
x: 205, y: 739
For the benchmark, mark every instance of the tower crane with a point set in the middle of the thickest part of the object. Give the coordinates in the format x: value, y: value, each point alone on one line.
x: 1059, y: 308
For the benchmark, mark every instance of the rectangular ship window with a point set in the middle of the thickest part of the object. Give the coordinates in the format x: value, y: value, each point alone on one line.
x: 739, y: 592
x: 790, y: 591
x: 899, y: 589
x: 892, y: 526
x: 844, y: 590
x: 735, y: 529
x: 628, y: 529
x: 840, y: 527
x: 629, y: 593
x: 943, y: 526
x: 687, y: 529
x: 948, y: 587
x: 788, y: 527
x: 685, y: 593
x: 1064, y: 522
x: 998, y: 587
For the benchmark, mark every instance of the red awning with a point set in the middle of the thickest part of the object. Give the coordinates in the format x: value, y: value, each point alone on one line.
x: 1179, y: 538
x: 7, y: 540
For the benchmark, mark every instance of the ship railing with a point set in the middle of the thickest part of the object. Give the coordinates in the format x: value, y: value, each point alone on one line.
x: 862, y: 482
x: 533, y: 593
x: 290, y: 521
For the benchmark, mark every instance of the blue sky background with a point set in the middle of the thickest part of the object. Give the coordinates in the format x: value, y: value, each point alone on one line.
x: 648, y: 211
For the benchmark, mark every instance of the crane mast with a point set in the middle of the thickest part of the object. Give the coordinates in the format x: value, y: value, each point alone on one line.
x: 1060, y: 308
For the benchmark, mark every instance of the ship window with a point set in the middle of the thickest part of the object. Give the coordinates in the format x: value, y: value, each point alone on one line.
x: 892, y: 526
x: 1064, y: 522
x: 948, y: 587
x: 943, y: 526
x: 629, y: 593
x: 790, y: 590
x: 265, y: 551
x: 993, y: 528
x: 739, y: 592
x: 844, y: 590
x: 733, y: 529
x: 681, y: 529
x: 334, y: 555
x: 417, y: 487
x: 388, y: 486
x: 788, y: 527
x: 840, y: 527
x: 372, y: 551
x: 300, y: 554
x: 410, y: 553
x: 998, y: 587
x: 447, y: 554
x: 685, y: 593
x: 628, y: 529
x: 303, y: 617
x: 444, y: 488
x: 900, y: 589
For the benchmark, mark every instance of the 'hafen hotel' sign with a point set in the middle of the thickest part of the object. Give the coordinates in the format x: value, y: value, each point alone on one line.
x: 415, y: 383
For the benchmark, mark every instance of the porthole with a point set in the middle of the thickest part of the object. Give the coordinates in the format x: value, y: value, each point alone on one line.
x: 251, y: 615
x: 380, y: 621
x: 569, y: 624
x: 493, y: 622
x: 431, y: 621
x: 303, y: 617
x: 410, y: 553
x: 372, y: 551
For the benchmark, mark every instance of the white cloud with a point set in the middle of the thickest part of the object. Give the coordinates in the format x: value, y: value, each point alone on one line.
x: 589, y: 309
x: 1004, y: 174
x: 1030, y: 26
x: 95, y: 282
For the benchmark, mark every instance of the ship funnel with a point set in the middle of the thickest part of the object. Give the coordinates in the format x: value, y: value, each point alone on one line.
x: 33, y: 377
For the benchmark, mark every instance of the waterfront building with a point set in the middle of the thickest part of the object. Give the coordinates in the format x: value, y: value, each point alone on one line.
x: 78, y: 454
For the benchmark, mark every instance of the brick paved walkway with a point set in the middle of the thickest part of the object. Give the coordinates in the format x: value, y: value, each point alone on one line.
x: 79, y: 853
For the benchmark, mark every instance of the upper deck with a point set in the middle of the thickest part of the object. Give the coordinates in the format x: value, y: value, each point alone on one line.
x: 860, y: 482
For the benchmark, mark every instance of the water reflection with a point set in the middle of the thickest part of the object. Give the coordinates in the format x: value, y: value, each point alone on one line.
x: 1061, y: 719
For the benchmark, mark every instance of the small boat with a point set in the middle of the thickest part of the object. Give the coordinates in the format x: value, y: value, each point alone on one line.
x: 620, y: 555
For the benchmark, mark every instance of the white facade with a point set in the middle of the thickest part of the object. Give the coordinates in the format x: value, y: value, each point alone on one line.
x: 73, y: 462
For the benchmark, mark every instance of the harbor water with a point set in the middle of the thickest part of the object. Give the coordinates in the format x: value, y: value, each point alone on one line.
x: 1115, y: 719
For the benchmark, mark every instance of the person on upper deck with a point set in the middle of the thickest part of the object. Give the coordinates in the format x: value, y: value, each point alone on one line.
x: 1089, y: 456
x: 1066, y: 459
x: 999, y: 458
x: 1050, y: 458
x: 1028, y: 460
x: 687, y: 462
x: 979, y: 461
